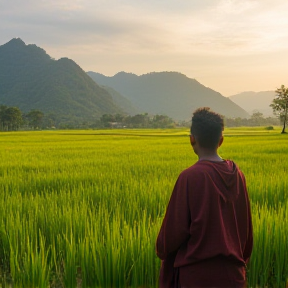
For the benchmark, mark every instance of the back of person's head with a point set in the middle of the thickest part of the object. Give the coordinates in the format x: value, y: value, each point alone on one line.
x: 207, y: 127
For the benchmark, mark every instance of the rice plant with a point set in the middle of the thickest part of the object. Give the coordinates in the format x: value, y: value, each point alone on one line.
x: 83, y: 208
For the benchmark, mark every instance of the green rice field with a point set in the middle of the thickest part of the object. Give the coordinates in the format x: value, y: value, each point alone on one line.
x: 83, y: 208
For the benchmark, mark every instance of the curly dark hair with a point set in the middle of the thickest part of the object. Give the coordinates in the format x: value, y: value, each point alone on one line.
x: 207, y: 127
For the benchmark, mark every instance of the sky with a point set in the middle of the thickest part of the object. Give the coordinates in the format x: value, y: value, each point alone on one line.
x: 230, y: 46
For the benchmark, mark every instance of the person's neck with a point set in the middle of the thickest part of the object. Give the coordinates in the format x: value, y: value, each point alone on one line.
x: 209, y: 156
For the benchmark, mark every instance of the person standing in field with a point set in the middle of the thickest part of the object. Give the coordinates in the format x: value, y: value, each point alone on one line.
x: 206, y: 236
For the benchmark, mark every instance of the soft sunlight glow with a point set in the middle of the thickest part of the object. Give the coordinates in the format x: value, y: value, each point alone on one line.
x: 231, y: 46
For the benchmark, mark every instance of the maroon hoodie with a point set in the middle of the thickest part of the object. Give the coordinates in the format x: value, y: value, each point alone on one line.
x: 208, y: 217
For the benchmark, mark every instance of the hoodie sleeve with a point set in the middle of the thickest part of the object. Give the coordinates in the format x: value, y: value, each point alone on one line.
x: 175, y: 227
x: 249, y: 244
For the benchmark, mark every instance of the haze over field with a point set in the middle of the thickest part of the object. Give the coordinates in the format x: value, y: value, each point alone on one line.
x: 230, y: 46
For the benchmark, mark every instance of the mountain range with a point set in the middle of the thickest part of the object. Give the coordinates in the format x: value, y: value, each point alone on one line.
x: 169, y: 93
x: 31, y: 79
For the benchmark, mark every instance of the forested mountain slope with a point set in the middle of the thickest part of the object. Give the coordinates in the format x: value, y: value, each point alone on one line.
x: 31, y: 79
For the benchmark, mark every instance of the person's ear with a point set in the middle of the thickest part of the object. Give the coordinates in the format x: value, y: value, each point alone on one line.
x: 221, y: 141
x: 192, y: 140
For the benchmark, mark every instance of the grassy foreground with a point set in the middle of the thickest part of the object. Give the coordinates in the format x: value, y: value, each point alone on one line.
x: 83, y: 208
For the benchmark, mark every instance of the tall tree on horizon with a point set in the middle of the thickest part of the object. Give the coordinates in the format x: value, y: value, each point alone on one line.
x: 35, y: 118
x: 280, y: 105
x: 10, y: 118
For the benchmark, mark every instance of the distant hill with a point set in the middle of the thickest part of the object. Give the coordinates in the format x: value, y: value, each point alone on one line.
x: 251, y: 101
x: 30, y: 79
x: 169, y: 93
x: 121, y: 101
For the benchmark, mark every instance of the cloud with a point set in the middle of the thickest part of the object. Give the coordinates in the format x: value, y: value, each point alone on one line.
x: 233, y: 7
x: 237, y: 27
x: 124, y: 29
x: 210, y: 26
x: 27, y: 6
x: 188, y: 36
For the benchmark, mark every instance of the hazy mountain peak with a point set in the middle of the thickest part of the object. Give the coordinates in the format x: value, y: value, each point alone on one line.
x: 166, y: 73
x: 251, y: 101
x: 20, y: 52
x: 16, y: 42
x: 67, y: 62
x: 125, y: 74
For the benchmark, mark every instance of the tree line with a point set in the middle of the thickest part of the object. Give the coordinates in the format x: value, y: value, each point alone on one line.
x: 256, y: 119
x: 143, y: 120
x: 162, y: 121
x: 12, y: 118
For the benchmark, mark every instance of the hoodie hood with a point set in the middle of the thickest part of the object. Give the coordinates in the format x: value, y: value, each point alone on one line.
x: 226, y: 173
